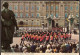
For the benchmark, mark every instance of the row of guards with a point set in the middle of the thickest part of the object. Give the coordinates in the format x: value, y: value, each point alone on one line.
x: 46, y: 38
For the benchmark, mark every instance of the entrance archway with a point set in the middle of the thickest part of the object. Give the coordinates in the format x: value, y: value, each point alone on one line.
x: 53, y: 23
x: 21, y: 23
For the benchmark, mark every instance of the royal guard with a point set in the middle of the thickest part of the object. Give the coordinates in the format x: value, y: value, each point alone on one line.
x: 56, y: 37
x: 51, y: 38
x: 41, y: 39
x: 64, y: 36
x: 44, y: 37
x: 31, y: 37
x: 22, y: 39
x: 61, y: 37
x: 34, y: 38
x: 47, y: 39
x: 37, y: 38
x: 25, y: 36
x: 70, y: 36
x: 28, y: 36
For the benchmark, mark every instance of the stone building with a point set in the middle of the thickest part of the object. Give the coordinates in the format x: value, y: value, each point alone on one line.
x: 35, y: 13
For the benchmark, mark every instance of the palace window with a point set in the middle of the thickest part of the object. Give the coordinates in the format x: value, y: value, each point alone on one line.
x: 16, y: 15
x: 46, y: 15
x: 52, y: 15
x: 21, y: 7
x: 56, y: 7
x: 26, y: 7
x: 76, y: 7
x: 56, y: 15
x: 37, y: 7
x: 37, y: 14
x: 26, y: 14
x: 16, y: 7
x: 51, y: 7
x: 46, y: 7
x: 21, y: 15
x: 66, y: 8
x: 71, y: 8
x: 66, y: 15
x: 32, y: 15
x: 32, y: 7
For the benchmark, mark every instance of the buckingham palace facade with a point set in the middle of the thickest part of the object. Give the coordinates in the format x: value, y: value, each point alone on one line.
x: 35, y: 13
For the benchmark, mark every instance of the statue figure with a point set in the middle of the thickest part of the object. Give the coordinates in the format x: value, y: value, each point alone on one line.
x: 8, y: 24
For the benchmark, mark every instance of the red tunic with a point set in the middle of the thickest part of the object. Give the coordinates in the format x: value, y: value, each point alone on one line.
x: 22, y: 37
x: 25, y: 35
x: 41, y: 39
x: 37, y: 38
x: 52, y: 38
x: 47, y: 38
x: 61, y: 36
x: 28, y: 36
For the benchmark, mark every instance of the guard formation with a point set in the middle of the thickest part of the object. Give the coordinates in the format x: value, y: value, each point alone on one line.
x: 45, y: 36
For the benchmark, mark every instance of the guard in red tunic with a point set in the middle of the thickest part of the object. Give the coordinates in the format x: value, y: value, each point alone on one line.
x: 61, y: 36
x: 47, y: 39
x: 66, y: 36
x: 37, y: 39
x: 22, y: 39
x: 51, y: 38
x: 70, y: 36
x: 26, y: 36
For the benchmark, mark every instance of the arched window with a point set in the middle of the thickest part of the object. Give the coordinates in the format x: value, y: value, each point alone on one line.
x: 16, y: 15
x: 46, y: 7
x: 66, y: 8
x: 56, y: 7
x: 71, y: 8
x: 51, y: 7
x: 77, y: 8
x: 16, y: 7
x: 46, y: 15
x: 52, y: 15
x: 37, y: 14
x: 56, y: 15
x: 21, y: 15
x: 32, y: 15
x: 37, y: 7
x: 65, y: 15
x: 21, y: 7
x: 26, y: 14
x: 26, y: 7
x: 32, y: 7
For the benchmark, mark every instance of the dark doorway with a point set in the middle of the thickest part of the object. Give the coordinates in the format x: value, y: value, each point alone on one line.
x: 57, y: 25
x: 53, y: 23
x: 21, y: 23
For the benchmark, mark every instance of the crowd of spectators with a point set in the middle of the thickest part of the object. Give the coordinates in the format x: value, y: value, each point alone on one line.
x: 65, y: 47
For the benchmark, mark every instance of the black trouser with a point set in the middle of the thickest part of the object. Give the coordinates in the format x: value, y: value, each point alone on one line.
x: 47, y: 41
